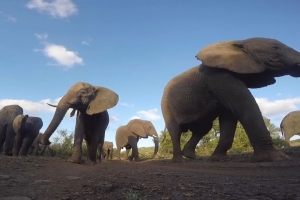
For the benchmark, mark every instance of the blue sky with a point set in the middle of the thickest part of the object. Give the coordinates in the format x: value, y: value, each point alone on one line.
x: 131, y: 47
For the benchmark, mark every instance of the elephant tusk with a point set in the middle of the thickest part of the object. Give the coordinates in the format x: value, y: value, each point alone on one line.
x: 154, y: 136
x: 52, y: 105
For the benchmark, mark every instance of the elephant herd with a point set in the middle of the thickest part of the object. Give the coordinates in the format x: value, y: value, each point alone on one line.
x: 192, y: 100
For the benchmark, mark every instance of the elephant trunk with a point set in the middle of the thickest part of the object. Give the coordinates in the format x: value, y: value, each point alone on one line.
x: 155, y: 147
x: 59, y: 114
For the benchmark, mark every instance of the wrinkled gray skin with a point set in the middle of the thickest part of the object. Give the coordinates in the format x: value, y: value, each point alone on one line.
x: 26, y: 129
x: 36, y: 144
x: 290, y: 126
x: 91, y: 103
x: 107, y: 150
x: 219, y: 88
x: 128, y: 136
x: 7, y: 133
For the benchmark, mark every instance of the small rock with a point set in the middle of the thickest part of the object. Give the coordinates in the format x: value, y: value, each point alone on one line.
x: 65, y: 198
x: 106, y: 186
x: 73, y: 177
x: 4, y: 177
x: 14, y: 198
x: 42, y: 181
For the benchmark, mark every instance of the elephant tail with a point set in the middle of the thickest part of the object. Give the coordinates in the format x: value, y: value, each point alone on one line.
x: 281, y: 128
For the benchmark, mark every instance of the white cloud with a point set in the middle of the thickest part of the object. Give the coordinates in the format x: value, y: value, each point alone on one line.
x: 85, y: 43
x: 61, y: 55
x: 8, y: 18
x: 127, y: 105
x: 31, y: 107
x: 135, y: 117
x: 277, y: 107
x: 41, y: 36
x: 56, y: 8
x: 113, y: 119
x: 151, y: 114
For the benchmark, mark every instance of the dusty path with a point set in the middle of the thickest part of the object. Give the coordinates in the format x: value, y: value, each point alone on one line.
x: 53, y: 178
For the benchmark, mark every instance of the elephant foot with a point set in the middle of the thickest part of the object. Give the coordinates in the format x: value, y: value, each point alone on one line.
x: 178, y: 159
x: 189, y: 153
x: 130, y: 158
x: 91, y: 163
x: 268, y: 156
x: 74, y: 160
x: 219, y: 157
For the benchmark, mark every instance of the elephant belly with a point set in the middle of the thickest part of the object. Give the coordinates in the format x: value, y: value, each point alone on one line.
x: 191, y: 102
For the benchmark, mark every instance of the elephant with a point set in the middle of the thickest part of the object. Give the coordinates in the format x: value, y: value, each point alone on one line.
x: 26, y: 129
x: 290, y: 126
x: 219, y: 87
x: 128, y: 136
x: 7, y: 134
x: 36, y: 144
x: 91, y: 103
x: 107, y: 150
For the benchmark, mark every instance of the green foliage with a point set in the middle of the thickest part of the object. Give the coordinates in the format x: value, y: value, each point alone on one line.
x: 63, y: 144
x: 166, y: 146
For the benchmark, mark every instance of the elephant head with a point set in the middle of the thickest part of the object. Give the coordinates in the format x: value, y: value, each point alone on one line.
x: 83, y: 97
x: 144, y: 128
x: 253, y: 58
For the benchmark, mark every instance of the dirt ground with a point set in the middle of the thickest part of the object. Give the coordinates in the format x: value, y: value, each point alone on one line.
x: 54, y: 178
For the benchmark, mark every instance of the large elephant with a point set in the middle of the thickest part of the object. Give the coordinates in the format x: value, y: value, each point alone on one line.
x: 91, y: 103
x: 219, y: 88
x: 7, y: 133
x: 107, y: 150
x: 26, y: 129
x: 128, y: 136
x: 290, y: 126
x: 36, y: 144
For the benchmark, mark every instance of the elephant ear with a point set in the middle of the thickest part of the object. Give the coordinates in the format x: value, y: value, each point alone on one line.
x: 19, y: 123
x: 230, y: 55
x: 136, y: 126
x: 104, y: 99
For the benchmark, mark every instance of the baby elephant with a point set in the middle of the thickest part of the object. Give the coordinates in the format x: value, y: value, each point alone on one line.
x: 128, y: 136
x: 26, y: 129
x: 107, y: 150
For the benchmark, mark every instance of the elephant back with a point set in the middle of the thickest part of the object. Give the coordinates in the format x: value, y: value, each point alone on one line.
x: 9, y: 113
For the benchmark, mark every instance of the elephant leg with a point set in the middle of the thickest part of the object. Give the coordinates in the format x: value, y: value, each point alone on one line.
x: 99, y: 152
x: 36, y: 149
x: 233, y: 94
x: 25, y: 146
x: 198, y: 133
x: 43, y: 150
x: 106, y: 154
x: 92, y: 143
x: 78, y: 138
x: 18, y: 144
x: 127, y: 153
x: 287, y: 141
x: 9, y: 141
x: 135, y: 154
x: 2, y: 135
x: 228, y: 124
x: 111, y: 154
x: 175, y: 134
x: 118, y: 153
